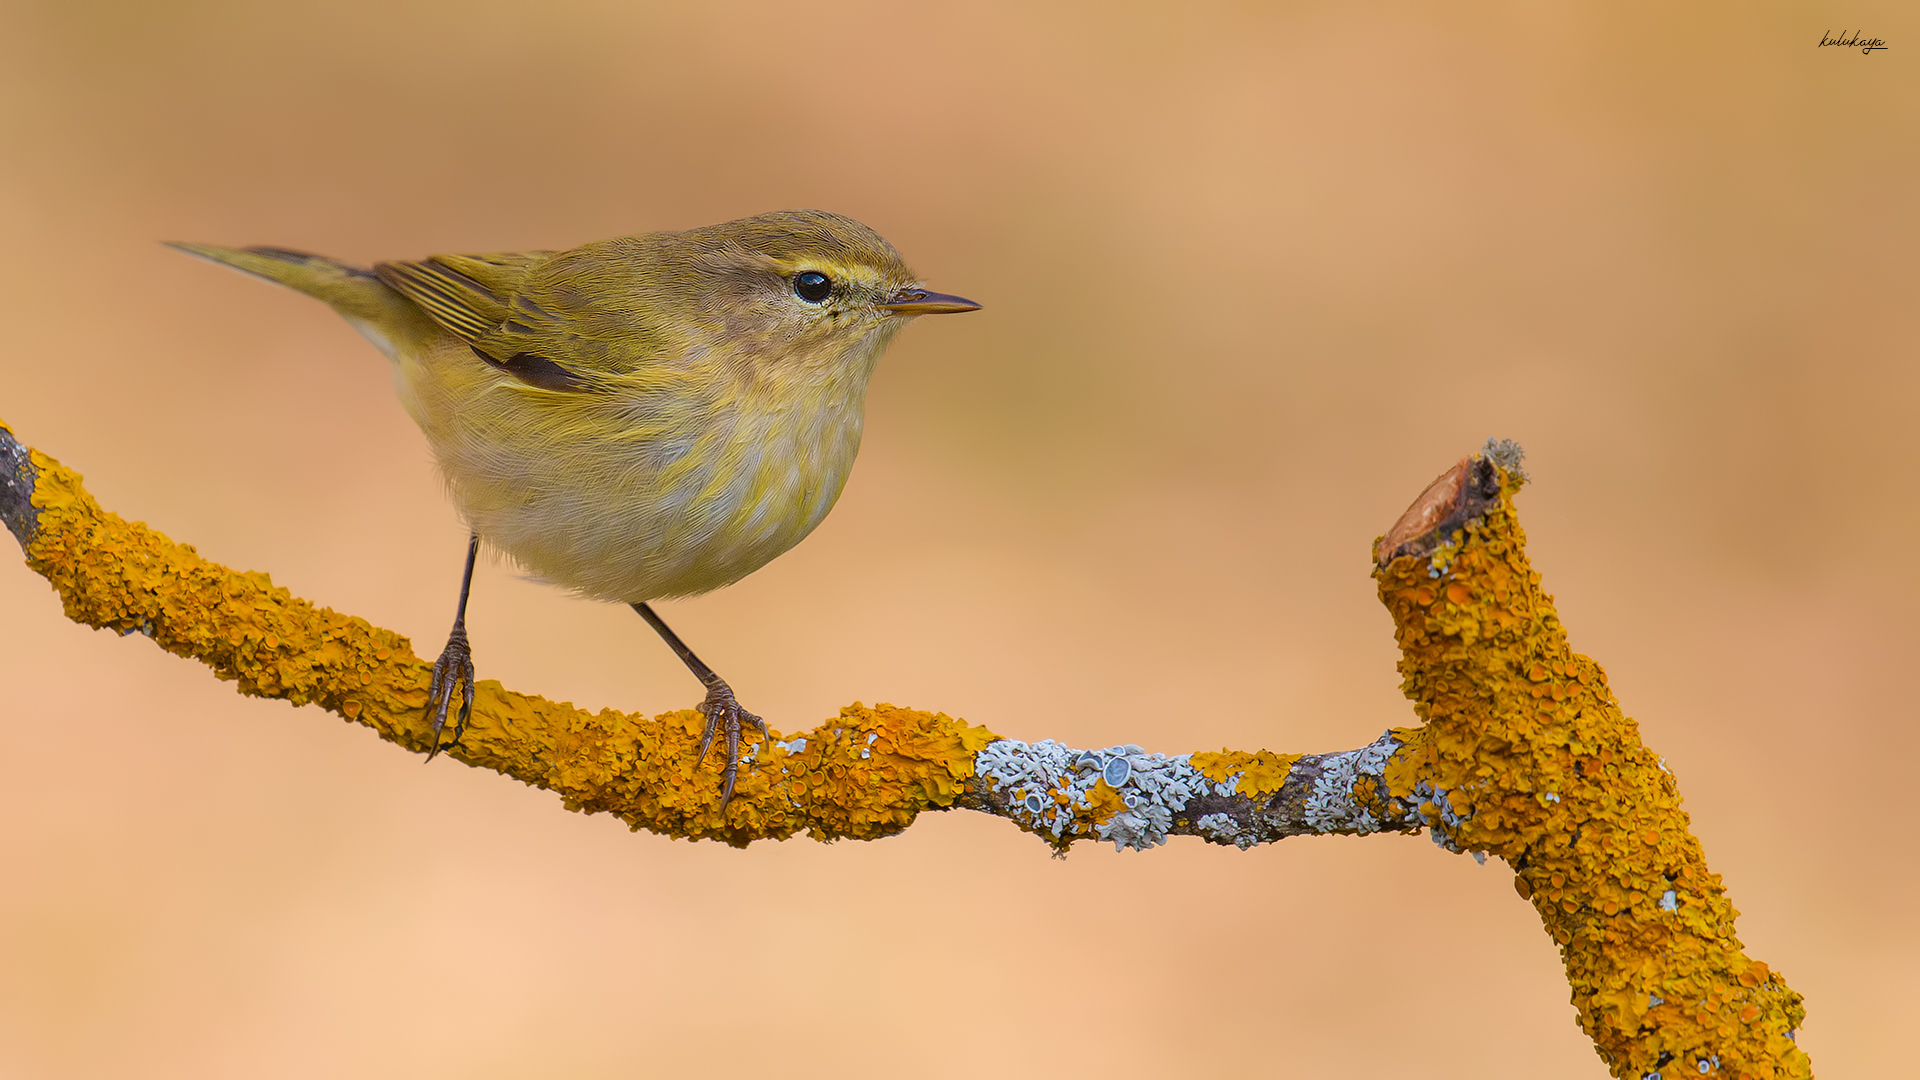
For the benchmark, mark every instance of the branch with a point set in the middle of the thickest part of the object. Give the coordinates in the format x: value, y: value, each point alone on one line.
x: 1523, y: 755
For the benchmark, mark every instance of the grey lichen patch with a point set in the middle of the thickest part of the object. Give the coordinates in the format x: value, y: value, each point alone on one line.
x: 1138, y: 800
x: 1224, y: 829
x: 1508, y: 455
x: 1332, y: 806
x: 17, y: 477
x: 1049, y: 787
x: 1443, y: 820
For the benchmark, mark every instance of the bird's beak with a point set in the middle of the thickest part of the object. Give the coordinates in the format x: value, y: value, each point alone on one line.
x: 917, y: 301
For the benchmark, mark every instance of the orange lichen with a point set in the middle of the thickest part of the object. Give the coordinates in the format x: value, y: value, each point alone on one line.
x: 866, y: 773
x: 1536, y: 763
x: 1103, y: 802
x: 1524, y: 755
x: 1261, y: 773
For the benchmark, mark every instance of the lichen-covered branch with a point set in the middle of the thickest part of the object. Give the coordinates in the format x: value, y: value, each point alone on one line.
x: 866, y: 773
x: 1524, y: 754
x: 1527, y: 756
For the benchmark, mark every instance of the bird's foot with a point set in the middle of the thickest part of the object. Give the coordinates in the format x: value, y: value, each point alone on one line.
x: 453, y: 671
x: 725, y: 714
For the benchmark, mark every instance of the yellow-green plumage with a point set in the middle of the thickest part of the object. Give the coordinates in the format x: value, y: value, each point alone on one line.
x: 651, y: 416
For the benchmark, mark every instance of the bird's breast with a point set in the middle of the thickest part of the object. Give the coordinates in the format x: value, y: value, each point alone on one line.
x: 652, y: 494
x: 777, y: 473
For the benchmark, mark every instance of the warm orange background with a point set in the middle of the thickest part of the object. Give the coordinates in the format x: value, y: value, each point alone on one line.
x: 1254, y: 274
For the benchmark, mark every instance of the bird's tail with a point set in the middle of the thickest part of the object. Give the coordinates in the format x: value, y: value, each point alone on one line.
x: 353, y: 292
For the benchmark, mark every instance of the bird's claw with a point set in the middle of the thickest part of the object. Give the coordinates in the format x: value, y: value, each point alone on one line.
x: 723, y: 713
x: 453, y: 671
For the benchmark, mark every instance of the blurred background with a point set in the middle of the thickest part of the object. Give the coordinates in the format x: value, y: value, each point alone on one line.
x: 1254, y: 274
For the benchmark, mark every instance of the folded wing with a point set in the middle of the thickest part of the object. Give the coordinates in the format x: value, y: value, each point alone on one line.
x: 474, y: 298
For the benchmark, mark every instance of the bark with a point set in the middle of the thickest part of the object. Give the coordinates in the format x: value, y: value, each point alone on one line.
x: 1523, y: 754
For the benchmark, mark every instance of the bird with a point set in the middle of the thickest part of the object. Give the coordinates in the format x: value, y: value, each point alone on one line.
x: 635, y: 419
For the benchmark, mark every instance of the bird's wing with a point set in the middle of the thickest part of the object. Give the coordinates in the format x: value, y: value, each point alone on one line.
x: 481, y: 300
x: 586, y: 319
x: 467, y: 294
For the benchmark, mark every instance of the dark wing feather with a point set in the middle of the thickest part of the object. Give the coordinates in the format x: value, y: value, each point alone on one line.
x: 472, y: 296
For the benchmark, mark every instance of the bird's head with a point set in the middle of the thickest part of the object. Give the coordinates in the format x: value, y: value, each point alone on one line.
x: 803, y: 293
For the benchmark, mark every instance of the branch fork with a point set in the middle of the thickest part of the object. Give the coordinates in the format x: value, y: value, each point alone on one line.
x: 1522, y: 754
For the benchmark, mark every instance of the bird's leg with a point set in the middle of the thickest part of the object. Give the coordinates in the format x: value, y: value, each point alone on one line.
x: 722, y: 711
x: 454, y: 670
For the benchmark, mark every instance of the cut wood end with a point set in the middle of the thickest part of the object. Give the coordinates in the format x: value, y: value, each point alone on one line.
x: 1457, y: 496
x: 1434, y: 506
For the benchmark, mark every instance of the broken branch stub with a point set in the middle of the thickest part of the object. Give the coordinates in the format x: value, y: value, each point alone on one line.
x: 1524, y: 754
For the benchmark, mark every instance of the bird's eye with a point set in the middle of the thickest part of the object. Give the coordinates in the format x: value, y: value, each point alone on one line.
x: 812, y: 286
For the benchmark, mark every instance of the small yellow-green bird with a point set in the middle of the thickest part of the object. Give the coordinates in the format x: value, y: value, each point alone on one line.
x: 646, y: 417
